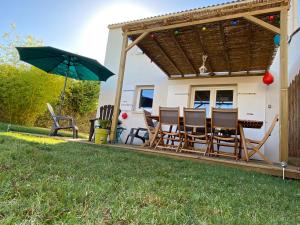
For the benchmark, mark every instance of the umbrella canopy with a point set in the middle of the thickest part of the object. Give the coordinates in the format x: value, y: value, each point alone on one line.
x: 56, y: 61
x: 70, y: 65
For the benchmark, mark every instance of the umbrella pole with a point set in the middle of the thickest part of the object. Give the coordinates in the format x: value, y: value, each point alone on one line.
x: 62, y: 95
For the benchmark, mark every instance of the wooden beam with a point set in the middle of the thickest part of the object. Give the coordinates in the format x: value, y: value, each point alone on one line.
x: 283, y: 118
x: 263, y: 23
x: 115, y: 118
x: 217, y: 76
x: 203, y: 49
x: 226, y: 54
x: 183, y: 52
x: 210, y: 20
x: 136, y: 41
x: 167, y: 56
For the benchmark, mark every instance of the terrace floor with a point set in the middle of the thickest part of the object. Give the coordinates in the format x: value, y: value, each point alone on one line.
x: 253, y: 165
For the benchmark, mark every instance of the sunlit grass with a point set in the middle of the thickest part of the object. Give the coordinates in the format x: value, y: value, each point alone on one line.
x: 36, y: 130
x: 32, y: 138
x: 74, y: 183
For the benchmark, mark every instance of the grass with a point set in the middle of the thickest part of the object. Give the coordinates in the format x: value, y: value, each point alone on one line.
x: 36, y: 130
x: 48, y: 181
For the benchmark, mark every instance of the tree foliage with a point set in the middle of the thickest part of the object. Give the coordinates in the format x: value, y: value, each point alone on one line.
x: 82, y: 97
x: 8, y: 43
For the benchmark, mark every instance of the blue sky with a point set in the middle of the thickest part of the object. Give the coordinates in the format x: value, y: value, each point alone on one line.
x: 80, y: 25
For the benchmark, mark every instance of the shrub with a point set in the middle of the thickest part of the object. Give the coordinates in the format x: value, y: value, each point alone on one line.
x: 24, y: 92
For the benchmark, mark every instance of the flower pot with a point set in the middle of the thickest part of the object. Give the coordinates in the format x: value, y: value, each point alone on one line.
x: 101, y: 136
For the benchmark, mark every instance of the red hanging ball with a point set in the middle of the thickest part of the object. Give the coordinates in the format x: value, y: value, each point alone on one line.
x: 124, y: 115
x: 271, y: 18
x: 268, y: 78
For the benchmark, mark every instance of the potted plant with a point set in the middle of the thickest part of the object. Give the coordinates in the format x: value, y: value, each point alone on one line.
x: 101, y: 131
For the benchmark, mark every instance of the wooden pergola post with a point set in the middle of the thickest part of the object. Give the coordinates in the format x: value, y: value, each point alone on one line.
x: 115, y: 118
x: 283, y: 111
x: 125, y: 49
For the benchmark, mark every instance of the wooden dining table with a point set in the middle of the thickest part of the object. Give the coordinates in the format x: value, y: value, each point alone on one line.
x: 252, y: 124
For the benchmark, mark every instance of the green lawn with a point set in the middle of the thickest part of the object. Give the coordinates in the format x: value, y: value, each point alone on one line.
x: 49, y: 181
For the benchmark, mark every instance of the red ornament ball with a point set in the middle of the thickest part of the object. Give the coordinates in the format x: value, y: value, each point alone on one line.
x: 268, y: 78
x: 124, y: 115
x: 271, y: 18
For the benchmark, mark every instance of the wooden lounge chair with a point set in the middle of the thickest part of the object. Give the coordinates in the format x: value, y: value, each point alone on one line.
x: 254, y: 146
x: 105, y: 113
x: 224, y: 131
x: 195, y: 130
x: 169, y: 118
x: 56, y: 126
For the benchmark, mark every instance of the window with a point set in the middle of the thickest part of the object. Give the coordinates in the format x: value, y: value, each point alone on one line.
x: 202, y: 100
x: 223, y: 97
x: 145, y: 98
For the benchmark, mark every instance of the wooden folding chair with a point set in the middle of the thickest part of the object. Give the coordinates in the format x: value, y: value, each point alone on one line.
x: 254, y: 146
x: 169, y: 117
x: 224, y: 131
x: 195, y: 130
x: 152, y: 129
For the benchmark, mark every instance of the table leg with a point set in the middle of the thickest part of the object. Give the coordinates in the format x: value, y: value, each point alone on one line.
x: 244, y: 145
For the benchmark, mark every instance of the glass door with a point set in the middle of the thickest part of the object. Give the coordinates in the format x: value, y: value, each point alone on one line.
x: 223, y: 97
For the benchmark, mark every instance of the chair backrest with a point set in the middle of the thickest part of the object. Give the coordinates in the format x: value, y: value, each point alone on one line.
x: 169, y: 116
x: 226, y: 119
x: 106, y: 112
x: 194, y: 117
x: 148, y: 120
x: 269, y: 132
x: 53, y: 115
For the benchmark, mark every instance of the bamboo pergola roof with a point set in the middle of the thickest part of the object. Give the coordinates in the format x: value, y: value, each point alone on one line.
x: 176, y: 42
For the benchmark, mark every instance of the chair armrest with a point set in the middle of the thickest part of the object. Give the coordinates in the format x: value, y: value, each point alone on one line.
x: 68, y: 118
x: 252, y: 141
x: 64, y: 117
x: 94, y: 119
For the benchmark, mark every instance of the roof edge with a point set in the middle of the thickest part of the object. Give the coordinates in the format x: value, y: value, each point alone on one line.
x: 180, y: 13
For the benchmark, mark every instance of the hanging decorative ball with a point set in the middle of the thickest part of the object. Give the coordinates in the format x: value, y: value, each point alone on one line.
x: 124, y: 115
x: 176, y: 32
x: 278, y: 20
x: 277, y: 40
x: 271, y: 18
x: 268, y: 78
x: 234, y: 22
x: 204, y: 28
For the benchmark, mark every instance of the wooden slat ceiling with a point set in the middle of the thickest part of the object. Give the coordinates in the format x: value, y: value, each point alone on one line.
x: 245, y: 48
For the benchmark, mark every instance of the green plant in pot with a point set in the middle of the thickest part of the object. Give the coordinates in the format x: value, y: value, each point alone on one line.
x: 101, y: 131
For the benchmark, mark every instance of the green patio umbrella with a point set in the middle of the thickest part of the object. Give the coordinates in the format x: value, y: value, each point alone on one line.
x: 69, y: 65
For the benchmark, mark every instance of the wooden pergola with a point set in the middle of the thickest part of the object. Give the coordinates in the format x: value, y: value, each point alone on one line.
x: 237, y: 37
